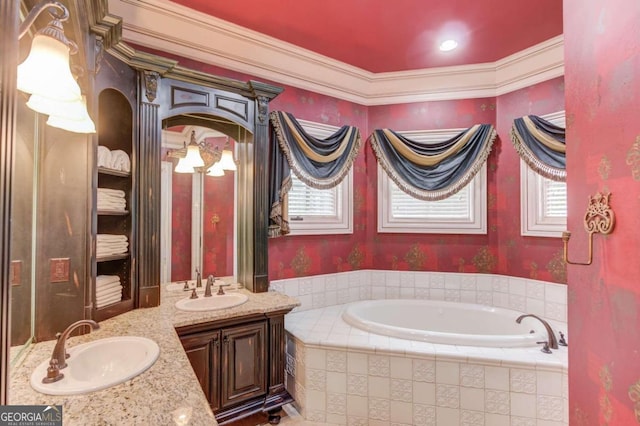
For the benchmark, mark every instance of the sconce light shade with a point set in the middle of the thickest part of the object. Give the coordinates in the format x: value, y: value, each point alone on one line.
x: 193, y: 157
x: 183, y: 167
x: 70, y: 110
x: 216, y: 170
x: 78, y: 123
x: 227, y: 162
x: 46, y: 71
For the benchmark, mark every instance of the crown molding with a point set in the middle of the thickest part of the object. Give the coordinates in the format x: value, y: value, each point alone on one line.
x: 172, y: 28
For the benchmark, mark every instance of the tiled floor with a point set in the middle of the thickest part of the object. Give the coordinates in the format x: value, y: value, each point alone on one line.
x: 290, y: 417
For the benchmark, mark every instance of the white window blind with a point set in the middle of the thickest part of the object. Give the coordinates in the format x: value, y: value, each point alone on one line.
x: 543, y: 202
x: 305, y: 201
x: 404, y: 206
x: 320, y: 211
x: 554, y: 198
x: 462, y: 213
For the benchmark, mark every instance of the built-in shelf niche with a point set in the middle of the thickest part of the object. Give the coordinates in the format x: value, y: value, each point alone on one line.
x: 115, y: 131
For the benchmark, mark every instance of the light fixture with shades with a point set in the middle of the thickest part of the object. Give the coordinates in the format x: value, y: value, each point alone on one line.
x: 46, y: 74
x: 202, y: 157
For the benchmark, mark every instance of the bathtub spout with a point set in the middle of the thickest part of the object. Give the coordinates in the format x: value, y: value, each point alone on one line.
x: 553, y: 341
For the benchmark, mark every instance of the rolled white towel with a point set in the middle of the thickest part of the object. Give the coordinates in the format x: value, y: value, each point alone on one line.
x: 107, y: 279
x: 120, y: 160
x: 104, y: 157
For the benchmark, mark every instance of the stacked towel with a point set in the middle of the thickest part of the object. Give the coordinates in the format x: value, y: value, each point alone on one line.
x: 111, y: 199
x: 109, y: 244
x: 120, y: 160
x: 108, y: 290
x: 104, y: 156
x: 115, y: 160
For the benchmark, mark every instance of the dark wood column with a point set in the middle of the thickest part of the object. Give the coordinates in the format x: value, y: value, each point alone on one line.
x: 261, y: 196
x: 9, y: 21
x: 148, y: 176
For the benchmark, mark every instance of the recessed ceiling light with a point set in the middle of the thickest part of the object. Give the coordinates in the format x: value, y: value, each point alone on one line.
x: 448, y: 45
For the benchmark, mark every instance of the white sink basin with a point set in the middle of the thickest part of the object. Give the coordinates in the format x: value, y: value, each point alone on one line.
x: 98, y: 365
x: 212, y: 303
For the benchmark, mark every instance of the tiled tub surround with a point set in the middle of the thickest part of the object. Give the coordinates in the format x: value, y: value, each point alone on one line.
x: 160, y: 395
x: 545, y: 299
x: 342, y: 375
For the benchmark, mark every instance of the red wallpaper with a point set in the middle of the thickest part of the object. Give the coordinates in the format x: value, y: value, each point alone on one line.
x: 181, y: 227
x: 501, y: 251
x: 602, y: 62
x: 217, y: 221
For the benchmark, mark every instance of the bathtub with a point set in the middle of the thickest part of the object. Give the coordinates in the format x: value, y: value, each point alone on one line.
x: 451, y: 323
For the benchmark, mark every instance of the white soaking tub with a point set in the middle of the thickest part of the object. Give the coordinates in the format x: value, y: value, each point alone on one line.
x: 452, y: 323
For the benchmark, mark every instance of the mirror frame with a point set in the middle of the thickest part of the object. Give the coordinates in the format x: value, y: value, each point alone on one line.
x: 168, y: 89
x: 9, y: 22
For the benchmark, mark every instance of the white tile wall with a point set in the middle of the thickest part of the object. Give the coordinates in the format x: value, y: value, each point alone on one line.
x: 545, y: 299
x: 342, y: 375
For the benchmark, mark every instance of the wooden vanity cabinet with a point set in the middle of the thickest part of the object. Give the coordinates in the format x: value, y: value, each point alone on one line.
x: 232, y: 360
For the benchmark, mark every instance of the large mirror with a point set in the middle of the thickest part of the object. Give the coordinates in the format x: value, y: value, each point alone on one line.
x: 22, y: 245
x: 199, y: 214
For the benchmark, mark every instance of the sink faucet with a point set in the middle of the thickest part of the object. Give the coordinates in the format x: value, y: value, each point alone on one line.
x: 59, y: 355
x: 207, y: 289
x: 198, y: 279
x: 553, y: 342
x: 60, y: 352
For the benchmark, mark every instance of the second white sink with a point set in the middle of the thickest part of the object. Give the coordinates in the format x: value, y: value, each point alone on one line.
x: 212, y: 303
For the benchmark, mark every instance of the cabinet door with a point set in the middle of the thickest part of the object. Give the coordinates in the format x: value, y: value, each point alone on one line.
x: 244, y: 361
x: 203, y: 351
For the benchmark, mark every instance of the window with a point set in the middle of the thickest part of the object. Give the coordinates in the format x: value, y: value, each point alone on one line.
x: 463, y: 213
x: 320, y: 211
x: 543, y: 202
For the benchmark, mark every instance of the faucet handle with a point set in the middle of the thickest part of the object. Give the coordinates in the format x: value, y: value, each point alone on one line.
x: 53, y: 372
x: 545, y: 347
x: 194, y: 294
x: 561, y: 340
x: 221, y: 289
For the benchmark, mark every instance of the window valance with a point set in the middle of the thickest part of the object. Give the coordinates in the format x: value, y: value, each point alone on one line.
x: 433, y: 171
x: 319, y: 163
x: 541, y: 145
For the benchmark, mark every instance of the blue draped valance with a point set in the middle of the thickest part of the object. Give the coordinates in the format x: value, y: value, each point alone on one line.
x: 319, y: 163
x: 433, y: 171
x: 541, y: 145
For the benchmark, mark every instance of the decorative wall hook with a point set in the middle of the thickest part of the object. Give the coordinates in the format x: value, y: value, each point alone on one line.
x: 599, y: 219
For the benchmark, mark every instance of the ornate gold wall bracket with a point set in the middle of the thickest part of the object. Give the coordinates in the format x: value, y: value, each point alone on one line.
x: 599, y: 219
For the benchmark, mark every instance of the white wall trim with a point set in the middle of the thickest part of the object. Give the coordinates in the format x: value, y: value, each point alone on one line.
x: 169, y: 27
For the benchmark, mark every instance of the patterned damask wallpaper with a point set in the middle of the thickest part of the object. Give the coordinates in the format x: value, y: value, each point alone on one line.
x: 501, y: 251
x: 602, y: 64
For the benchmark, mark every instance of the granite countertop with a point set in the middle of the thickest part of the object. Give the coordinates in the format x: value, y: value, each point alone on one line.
x: 167, y: 393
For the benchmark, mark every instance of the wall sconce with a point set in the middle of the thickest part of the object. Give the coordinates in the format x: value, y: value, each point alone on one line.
x: 599, y: 219
x: 201, y: 157
x: 46, y: 74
